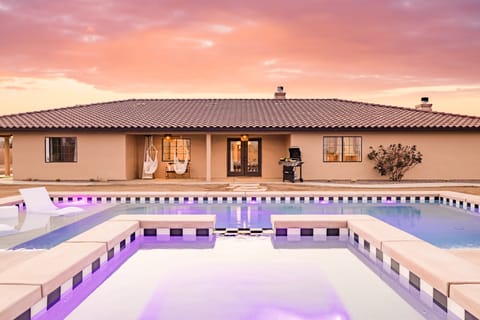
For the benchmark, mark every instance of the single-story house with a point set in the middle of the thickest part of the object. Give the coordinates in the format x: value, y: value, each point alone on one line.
x: 224, y: 138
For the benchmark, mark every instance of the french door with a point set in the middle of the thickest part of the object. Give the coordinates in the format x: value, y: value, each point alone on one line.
x: 244, y: 158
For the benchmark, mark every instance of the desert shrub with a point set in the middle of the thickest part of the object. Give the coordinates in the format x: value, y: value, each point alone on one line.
x: 395, y: 160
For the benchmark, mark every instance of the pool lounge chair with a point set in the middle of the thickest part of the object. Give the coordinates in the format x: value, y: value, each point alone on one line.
x: 37, y: 200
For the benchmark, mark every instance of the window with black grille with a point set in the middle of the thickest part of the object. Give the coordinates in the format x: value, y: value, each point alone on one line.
x: 342, y: 149
x: 175, y: 147
x: 60, y: 149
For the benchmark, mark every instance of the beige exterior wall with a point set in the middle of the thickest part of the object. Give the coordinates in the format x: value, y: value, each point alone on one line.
x: 101, y: 156
x: 131, y: 157
x: 119, y: 156
x: 273, y: 148
x: 446, y: 155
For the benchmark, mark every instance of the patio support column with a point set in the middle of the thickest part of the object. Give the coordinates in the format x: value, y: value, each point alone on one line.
x: 208, y: 152
x: 7, y: 155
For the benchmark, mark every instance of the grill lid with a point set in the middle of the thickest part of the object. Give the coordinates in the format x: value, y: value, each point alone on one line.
x: 295, y: 153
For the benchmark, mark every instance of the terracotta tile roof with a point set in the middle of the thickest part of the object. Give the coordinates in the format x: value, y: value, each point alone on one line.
x: 231, y: 114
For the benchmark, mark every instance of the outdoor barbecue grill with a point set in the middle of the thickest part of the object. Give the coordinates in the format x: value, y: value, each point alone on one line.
x: 291, y: 164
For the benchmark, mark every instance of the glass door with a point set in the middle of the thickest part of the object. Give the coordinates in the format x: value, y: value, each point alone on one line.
x: 244, y: 157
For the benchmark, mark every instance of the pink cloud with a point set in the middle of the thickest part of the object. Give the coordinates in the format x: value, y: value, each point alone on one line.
x: 221, y: 46
x: 14, y: 88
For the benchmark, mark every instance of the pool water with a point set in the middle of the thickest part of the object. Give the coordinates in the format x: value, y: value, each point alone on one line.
x: 248, y: 278
x: 443, y: 226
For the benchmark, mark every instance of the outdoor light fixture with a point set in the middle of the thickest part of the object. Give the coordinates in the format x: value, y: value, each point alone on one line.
x: 168, y: 136
x: 244, y: 137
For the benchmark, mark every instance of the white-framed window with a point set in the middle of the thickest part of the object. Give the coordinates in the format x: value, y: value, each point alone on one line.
x: 60, y: 149
x: 342, y: 149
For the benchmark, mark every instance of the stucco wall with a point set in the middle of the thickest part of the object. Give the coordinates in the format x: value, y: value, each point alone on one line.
x: 446, y: 155
x: 131, y: 157
x: 101, y: 156
x: 117, y: 156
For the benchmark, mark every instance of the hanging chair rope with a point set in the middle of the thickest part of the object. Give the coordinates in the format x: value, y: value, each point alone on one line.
x: 180, y: 167
x: 150, y: 160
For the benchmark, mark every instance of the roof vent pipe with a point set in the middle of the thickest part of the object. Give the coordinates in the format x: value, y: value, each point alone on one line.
x: 280, y: 94
x: 424, y: 105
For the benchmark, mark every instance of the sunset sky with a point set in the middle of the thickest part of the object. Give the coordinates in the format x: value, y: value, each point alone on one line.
x: 56, y: 53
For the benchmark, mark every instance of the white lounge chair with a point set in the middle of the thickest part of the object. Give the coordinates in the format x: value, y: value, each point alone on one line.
x: 37, y: 200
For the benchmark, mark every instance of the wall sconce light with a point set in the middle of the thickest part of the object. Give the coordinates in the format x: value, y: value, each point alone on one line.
x: 168, y: 136
x: 244, y: 137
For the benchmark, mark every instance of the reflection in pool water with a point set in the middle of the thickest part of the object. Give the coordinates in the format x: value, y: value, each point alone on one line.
x: 442, y: 226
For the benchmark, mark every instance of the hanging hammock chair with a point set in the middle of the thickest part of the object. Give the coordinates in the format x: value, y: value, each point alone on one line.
x: 180, y: 167
x: 150, y: 159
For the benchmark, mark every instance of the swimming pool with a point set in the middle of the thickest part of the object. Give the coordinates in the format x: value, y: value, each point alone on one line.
x: 244, y: 278
x: 441, y: 225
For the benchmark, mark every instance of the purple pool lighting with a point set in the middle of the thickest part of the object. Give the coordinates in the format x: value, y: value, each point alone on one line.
x: 220, y: 281
x: 324, y: 202
x: 389, y: 201
x: 78, y: 201
x: 73, y: 298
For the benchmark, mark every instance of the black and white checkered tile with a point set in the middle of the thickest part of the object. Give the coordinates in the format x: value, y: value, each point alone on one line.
x: 465, y: 204
x: 185, y: 233
x: 427, y: 294
x: 56, y: 295
x: 243, y: 231
x: 249, y: 199
x: 317, y: 234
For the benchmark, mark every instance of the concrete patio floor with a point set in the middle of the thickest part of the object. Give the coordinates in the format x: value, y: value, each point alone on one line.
x: 9, y: 187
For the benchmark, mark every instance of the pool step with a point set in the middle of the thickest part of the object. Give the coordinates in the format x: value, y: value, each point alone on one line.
x: 243, y: 231
x: 246, y: 187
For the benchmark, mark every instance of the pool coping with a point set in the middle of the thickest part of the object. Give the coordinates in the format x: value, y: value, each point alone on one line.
x: 459, y: 200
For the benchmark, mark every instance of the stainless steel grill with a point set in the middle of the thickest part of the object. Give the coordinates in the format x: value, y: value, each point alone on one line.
x: 291, y: 164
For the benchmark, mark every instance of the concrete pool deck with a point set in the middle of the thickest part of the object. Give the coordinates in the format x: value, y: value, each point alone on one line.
x: 9, y: 187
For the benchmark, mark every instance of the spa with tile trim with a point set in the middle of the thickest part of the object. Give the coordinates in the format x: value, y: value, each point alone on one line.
x: 455, y: 288
x: 36, y: 284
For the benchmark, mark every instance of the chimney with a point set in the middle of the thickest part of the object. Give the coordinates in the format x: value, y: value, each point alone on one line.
x: 424, y: 106
x: 280, y: 94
